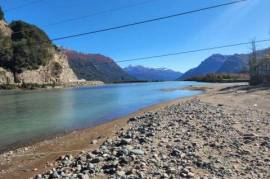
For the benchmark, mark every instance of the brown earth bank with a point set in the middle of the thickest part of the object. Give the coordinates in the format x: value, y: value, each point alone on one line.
x: 224, y: 133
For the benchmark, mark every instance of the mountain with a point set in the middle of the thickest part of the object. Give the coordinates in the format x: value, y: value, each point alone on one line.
x: 239, y: 62
x: 152, y: 74
x: 234, y: 64
x: 211, y: 65
x: 96, y: 67
x: 218, y: 63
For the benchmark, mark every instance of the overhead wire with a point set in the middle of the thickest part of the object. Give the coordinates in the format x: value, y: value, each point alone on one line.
x: 147, y: 21
x: 142, y: 22
x: 24, y: 5
x: 92, y: 14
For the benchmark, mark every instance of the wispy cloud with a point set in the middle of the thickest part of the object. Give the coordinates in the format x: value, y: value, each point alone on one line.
x: 225, y: 23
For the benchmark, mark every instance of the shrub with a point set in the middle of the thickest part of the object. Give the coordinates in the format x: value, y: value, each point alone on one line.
x: 6, y: 52
x: 56, y: 69
x: 2, y: 15
x: 31, y: 47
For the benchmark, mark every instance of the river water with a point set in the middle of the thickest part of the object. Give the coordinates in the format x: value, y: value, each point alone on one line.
x: 30, y: 115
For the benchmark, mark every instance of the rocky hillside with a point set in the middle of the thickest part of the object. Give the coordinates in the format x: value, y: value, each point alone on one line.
x: 96, y: 67
x: 152, y: 74
x: 28, y: 56
x: 222, y: 64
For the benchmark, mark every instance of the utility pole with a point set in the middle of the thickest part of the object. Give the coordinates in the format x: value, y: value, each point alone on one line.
x: 252, y: 64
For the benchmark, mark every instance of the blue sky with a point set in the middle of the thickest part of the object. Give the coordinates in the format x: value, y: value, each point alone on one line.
x: 232, y: 24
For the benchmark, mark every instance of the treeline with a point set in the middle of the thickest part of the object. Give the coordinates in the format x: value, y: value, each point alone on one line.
x: 221, y: 78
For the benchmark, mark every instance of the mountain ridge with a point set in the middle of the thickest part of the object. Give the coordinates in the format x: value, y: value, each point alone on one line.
x: 96, y: 67
x: 218, y: 63
x: 152, y: 74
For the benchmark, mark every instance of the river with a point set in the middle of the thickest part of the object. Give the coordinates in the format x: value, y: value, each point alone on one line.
x: 27, y: 116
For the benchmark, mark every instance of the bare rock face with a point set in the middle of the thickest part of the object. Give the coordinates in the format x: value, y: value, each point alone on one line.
x: 6, y: 77
x: 4, y: 29
x: 57, y: 71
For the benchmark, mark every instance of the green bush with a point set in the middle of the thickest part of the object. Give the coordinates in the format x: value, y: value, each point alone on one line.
x: 7, y: 86
x: 2, y: 16
x: 213, y: 77
x: 6, y: 52
x: 31, y: 47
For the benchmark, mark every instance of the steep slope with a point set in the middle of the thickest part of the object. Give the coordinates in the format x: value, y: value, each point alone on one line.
x: 152, y: 74
x: 96, y: 67
x: 223, y: 64
x: 6, y: 76
x: 57, y: 71
x: 235, y: 64
x: 211, y: 65
x: 239, y: 62
x: 28, y: 56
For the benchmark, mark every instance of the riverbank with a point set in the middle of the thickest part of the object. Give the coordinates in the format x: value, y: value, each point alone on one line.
x: 34, y: 86
x: 231, y: 112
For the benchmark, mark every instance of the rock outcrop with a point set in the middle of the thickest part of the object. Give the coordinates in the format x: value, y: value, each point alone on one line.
x: 4, y: 29
x: 6, y: 77
x: 57, y: 71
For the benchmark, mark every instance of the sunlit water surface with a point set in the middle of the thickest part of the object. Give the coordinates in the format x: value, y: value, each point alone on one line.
x: 30, y: 115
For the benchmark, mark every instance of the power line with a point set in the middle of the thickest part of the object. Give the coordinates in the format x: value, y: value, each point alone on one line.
x: 24, y: 5
x: 93, y: 14
x: 131, y: 24
x: 97, y: 13
x: 178, y: 53
x: 142, y: 22
x: 183, y: 52
x: 146, y: 21
x: 192, y: 51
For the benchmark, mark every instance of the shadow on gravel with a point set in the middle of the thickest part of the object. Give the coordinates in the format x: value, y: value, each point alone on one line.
x: 244, y: 88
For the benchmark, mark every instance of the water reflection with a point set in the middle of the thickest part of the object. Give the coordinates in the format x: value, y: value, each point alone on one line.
x: 30, y: 115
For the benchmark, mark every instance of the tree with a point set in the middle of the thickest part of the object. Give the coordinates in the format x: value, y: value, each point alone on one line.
x: 2, y: 15
x: 31, y: 47
x: 6, y: 52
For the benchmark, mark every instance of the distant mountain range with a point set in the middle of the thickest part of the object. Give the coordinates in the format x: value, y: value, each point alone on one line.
x: 152, y: 74
x: 96, y: 67
x: 218, y: 63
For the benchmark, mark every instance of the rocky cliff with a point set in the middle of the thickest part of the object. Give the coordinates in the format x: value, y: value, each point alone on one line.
x: 55, y: 71
x: 6, y: 77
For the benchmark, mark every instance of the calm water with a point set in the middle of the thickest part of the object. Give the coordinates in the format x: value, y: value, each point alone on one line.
x: 29, y: 115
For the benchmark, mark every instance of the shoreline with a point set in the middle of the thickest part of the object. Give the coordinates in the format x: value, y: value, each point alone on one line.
x: 20, y: 163
x: 32, y: 142
x: 40, y: 87
x: 110, y: 127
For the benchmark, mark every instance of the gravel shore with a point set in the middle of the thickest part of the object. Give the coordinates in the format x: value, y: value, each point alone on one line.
x: 190, y: 139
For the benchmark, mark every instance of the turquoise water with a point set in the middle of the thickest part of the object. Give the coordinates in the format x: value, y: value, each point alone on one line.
x: 30, y: 115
